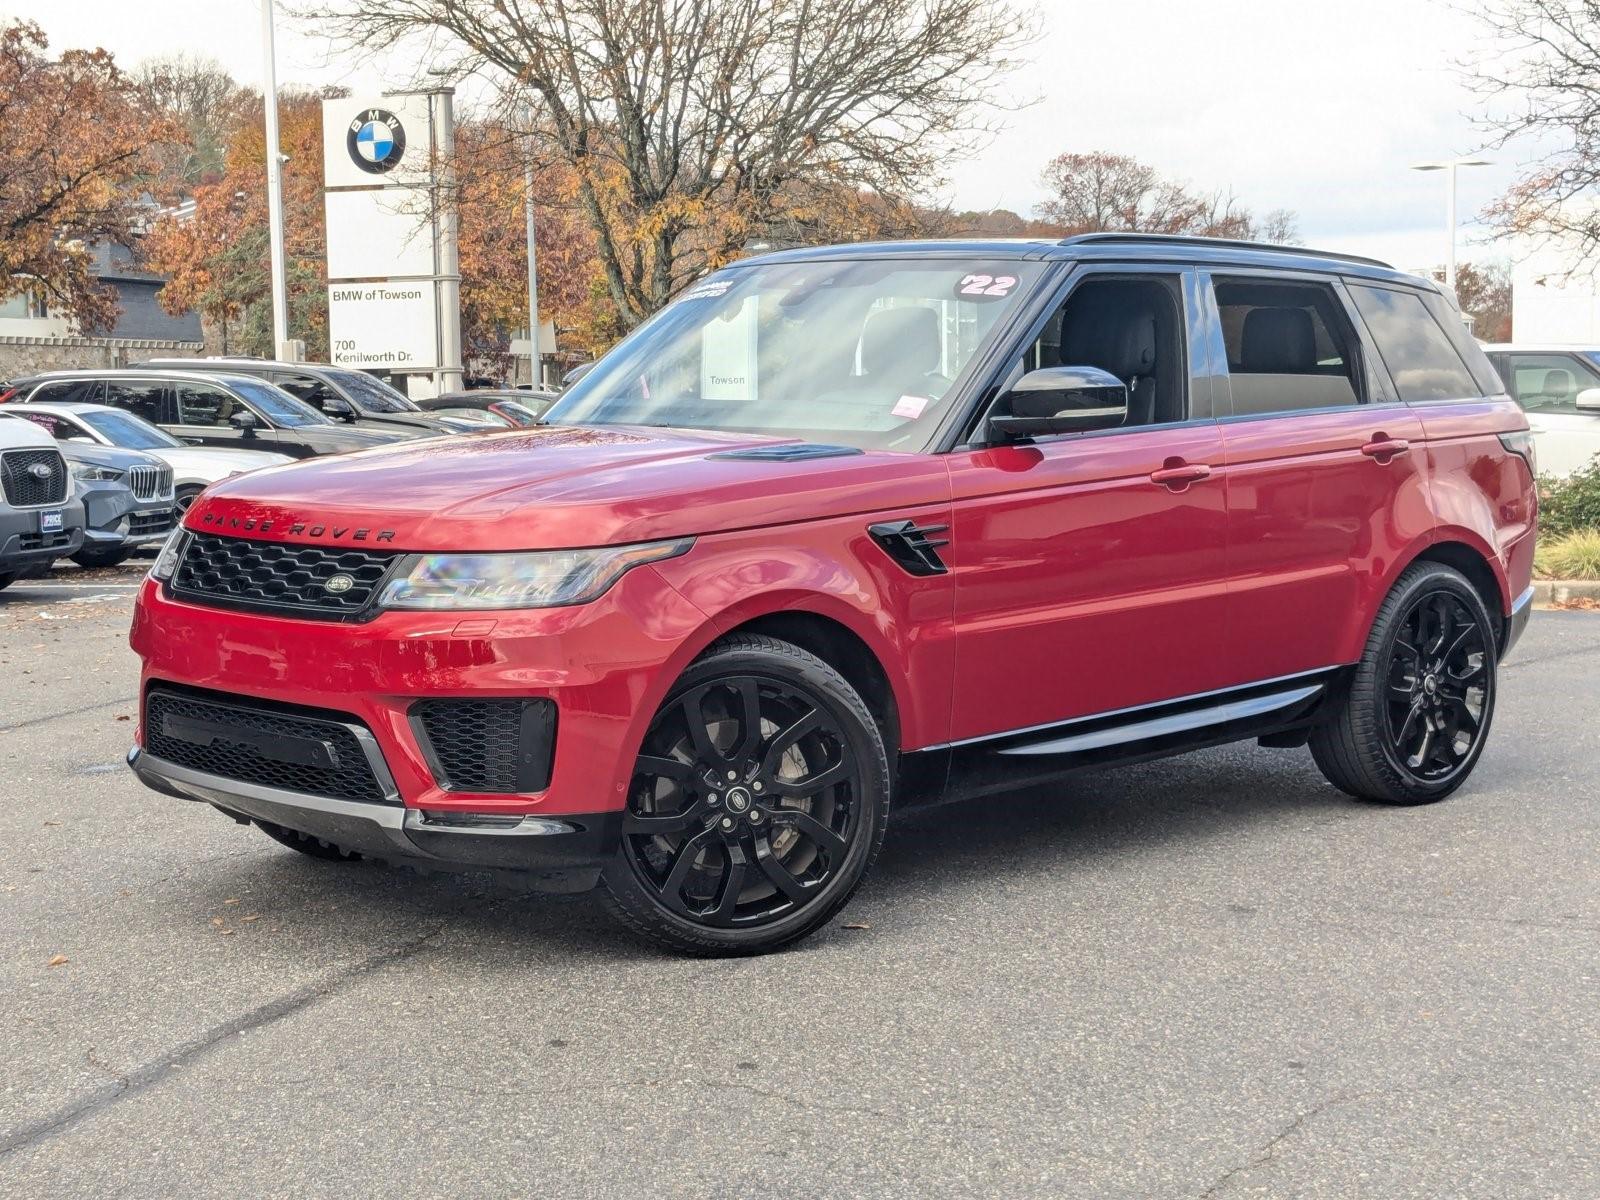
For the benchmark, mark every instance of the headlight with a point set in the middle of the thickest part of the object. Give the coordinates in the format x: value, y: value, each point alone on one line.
x: 534, y: 579
x: 97, y: 474
x: 171, y: 551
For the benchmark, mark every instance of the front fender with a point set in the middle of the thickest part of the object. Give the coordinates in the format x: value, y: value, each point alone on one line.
x: 835, y: 571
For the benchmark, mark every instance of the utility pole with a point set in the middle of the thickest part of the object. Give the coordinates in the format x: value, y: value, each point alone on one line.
x: 280, y: 293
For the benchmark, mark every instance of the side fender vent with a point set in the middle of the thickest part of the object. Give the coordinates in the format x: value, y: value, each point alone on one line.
x: 915, y: 547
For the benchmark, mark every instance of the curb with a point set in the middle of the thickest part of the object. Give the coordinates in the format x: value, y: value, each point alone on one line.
x: 1562, y: 591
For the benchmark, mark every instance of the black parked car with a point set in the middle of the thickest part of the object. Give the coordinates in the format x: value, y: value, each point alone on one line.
x: 204, y: 409
x: 353, y: 397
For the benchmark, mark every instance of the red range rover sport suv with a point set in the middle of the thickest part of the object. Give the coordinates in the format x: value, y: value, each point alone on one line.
x: 847, y: 529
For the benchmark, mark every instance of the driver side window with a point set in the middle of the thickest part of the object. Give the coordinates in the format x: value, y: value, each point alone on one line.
x: 207, y: 406
x: 1549, y: 383
x: 1132, y: 328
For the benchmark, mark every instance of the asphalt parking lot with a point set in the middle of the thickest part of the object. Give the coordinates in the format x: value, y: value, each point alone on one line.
x: 1209, y: 977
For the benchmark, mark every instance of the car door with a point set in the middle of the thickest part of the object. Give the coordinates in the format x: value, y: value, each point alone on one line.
x: 1089, y: 568
x: 1326, y: 472
x: 1547, y: 386
x: 203, y: 414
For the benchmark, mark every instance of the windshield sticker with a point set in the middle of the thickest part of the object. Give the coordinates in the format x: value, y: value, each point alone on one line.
x: 708, y: 290
x: 985, y: 287
x: 910, y: 407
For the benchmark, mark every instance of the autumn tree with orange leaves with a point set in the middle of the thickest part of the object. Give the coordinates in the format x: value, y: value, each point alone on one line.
x: 74, y: 156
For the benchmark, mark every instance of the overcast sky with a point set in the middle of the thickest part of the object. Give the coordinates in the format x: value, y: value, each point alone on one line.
x: 1315, y: 107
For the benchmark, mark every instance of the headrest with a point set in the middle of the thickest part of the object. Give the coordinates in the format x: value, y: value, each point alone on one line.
x: 900, y: 342
x: 1557, y: 383
x: 1115, y: 336
x: 1278, y: 341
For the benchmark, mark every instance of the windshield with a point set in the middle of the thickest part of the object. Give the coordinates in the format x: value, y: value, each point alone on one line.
x: 859, y: 351
x: 283, y: 410
x: 371, y: 395
x: 128, y: 431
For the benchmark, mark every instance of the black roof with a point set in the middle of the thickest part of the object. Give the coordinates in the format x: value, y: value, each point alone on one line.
x: 1121, y: 247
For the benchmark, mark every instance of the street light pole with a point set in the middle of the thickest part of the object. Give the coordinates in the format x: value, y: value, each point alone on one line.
x: 280, y: 295
x: 534, y: 372
x: 1450, y: 167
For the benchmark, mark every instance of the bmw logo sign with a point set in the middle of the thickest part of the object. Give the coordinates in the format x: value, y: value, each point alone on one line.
x: 339, y: 584
x: 376, y: 141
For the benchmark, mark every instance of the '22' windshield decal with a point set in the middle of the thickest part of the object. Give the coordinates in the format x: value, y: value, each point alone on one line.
x: 985, y: 287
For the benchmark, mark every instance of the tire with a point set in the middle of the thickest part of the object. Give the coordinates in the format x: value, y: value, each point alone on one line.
x: 710, y: 865
x: 185, y: 496
x: 1420, y: 704
x: 7, y: 578
x: 306, y: 844
x: 102, y: 558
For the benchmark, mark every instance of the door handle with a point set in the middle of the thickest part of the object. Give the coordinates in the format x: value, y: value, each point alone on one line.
x: 1180, y: 475
x: 1384, y: 448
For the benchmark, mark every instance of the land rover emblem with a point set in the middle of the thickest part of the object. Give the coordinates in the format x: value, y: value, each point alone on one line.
x: 339, y: 584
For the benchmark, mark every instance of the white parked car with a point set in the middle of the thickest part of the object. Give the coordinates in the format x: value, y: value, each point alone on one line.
x: 1559, y: 388
x: 193, y: 467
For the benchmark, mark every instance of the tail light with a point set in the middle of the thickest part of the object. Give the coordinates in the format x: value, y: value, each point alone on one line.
x: 1520, y: 444
x: 8, y: 394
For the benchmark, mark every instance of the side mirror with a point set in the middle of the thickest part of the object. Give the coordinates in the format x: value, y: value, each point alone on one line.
x: 337, y: 406
x: 1060, y: 400
x: 244, y: 422
x: 1588, y: 400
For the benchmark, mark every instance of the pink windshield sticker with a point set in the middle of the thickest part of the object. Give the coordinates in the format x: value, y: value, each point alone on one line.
x: 985, y: 287
x: 910, y: 407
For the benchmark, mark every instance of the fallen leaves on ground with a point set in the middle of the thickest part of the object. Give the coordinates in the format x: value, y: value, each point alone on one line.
x: 59, y: 960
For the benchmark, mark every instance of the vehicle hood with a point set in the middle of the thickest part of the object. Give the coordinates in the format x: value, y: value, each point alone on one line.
x: 419, y: 421
x: 105, y: 456
x: 335, y: 439
x: 206, y: 462
x: 557, y: 487
x: 19, y: 433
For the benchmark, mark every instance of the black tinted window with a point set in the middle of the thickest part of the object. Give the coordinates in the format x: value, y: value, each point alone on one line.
x: 141, y: 399
x: 68, y: 391
x: 202, y: 405
x: 1417, y: 351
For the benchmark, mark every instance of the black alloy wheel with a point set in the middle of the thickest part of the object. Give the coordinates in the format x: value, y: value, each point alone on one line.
x: 1421, y: 699
x: 1439, y: 686
x: 757, y: 803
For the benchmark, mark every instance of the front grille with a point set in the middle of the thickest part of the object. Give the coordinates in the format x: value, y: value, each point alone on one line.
x: 281, y: 576
x: 150, y: 483
x: 45, y: 541
x: 487, y: 745
x: 140, y: 524
x: 24, y: 487
x: 264, y: 746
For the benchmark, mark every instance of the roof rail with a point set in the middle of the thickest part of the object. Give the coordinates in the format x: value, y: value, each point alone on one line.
x: 1179, y: 239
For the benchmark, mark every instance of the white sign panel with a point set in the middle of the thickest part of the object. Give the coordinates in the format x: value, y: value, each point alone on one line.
x: 392, y: 325
x: 379, y: 234
x: 728, y: 354
x: 370, y: 142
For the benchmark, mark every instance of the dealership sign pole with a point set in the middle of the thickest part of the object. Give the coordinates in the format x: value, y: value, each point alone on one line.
x: 280, y: 292
x: 394, y: 279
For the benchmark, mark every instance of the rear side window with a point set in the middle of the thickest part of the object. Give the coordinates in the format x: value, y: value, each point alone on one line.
x: 68, y: 391
x: 141, y: 399
x: 1421, y: 359
x: 206, y: 406
x: 1290, y: 346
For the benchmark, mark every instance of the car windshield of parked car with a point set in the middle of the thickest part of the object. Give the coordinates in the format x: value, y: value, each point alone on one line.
x: 372, y: 395
x: 864, y: 352
x: 282, y: 409
x: 128, y: 431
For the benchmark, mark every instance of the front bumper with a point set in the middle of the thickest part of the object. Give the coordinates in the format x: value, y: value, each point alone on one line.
x: 564, y: 854
x: 23, y: 549
x: 115, y: 519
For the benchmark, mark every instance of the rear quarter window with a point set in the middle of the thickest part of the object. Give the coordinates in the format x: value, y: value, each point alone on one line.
x: 1421, y: 356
